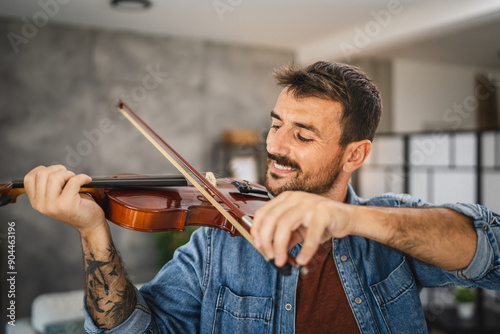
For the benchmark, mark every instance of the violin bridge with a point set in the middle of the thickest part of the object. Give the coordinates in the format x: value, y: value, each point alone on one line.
x: 211, y: 178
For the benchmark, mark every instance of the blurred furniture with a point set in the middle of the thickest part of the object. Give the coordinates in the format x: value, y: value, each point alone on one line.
x: 448, y: 322
x: 438, y: 167
x: 240, y: 154
x: 51, y: 313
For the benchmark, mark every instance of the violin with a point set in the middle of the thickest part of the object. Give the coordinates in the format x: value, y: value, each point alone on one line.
x: 159, y: 204
x: 154, y: 204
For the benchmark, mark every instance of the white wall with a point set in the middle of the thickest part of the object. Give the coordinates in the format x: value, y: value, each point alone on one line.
x: 434, y: 96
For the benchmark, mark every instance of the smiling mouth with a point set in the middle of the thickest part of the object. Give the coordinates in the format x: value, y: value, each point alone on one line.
x: 282, y: 164
x: 282, y: 167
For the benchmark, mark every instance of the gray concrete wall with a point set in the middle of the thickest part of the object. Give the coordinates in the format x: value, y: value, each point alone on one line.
x: 57, y: 104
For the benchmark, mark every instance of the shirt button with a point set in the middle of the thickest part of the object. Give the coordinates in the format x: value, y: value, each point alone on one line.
x: 288, y: 307
x: 484, y: 227
x: 343, y: 258
x: 358, y: 300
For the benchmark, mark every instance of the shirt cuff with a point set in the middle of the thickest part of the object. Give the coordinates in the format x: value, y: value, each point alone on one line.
x: 484, y: 257
x: 137, y: 322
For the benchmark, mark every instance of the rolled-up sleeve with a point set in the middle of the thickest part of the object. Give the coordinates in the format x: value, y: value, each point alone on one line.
x: 137, y: 322
x: 484, y: 268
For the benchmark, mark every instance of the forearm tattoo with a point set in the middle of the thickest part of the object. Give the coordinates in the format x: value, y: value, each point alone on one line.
x: 110, y: 298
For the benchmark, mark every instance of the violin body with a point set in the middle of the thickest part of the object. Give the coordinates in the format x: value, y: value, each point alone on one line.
x: 173, y: 208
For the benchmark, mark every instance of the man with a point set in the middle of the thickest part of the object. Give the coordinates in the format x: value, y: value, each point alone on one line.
x: 368, y: 259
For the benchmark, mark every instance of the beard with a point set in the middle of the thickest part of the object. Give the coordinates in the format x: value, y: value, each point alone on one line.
x: 318, y: 182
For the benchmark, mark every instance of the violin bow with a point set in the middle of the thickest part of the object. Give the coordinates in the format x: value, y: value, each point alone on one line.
x: 165, y: 148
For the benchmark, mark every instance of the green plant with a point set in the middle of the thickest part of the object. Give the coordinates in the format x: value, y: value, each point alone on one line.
x: 465, y: 295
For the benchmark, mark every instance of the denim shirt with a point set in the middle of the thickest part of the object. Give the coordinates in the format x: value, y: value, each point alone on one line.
x: 220, y: 284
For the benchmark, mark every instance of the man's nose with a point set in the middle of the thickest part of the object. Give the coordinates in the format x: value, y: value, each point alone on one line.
x: 278, y: 142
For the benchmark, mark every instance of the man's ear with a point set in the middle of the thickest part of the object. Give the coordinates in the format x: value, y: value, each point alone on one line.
x: 355, y: 154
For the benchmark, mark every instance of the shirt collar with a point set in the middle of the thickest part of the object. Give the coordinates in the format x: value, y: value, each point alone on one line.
x: 351, y: 197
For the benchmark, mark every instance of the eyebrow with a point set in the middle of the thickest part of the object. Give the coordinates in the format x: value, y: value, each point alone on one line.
x: 309, y: 127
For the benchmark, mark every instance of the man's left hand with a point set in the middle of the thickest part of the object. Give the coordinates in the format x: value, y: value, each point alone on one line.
x: 296, y: 216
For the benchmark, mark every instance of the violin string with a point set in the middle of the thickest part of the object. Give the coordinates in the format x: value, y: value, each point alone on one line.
x: 188, y: 176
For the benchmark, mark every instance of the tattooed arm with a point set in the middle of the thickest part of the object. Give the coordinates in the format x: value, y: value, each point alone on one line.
x: 54, y: 191
x: 109, y: 297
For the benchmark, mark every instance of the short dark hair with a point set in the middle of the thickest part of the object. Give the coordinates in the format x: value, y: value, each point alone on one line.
x: 349, y: 85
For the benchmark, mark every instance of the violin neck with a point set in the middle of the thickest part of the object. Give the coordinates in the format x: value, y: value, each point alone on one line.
x: 9, y: 192
x: 126, y: 182
x: 17, y: 184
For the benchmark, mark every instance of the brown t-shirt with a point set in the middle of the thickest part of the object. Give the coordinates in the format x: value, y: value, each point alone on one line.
x: 322, y: 305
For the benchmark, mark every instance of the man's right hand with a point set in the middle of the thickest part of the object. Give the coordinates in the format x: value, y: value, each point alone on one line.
x: 54, y: 191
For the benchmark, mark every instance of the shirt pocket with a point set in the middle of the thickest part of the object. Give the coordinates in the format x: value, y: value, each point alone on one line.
x: 399, y: 302
x: 241, y: 314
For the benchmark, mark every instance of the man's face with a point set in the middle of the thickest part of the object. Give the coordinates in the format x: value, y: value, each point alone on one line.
x: 302, y: 145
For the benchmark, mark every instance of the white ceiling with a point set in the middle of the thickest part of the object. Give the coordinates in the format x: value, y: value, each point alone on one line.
x: 461, y: 31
